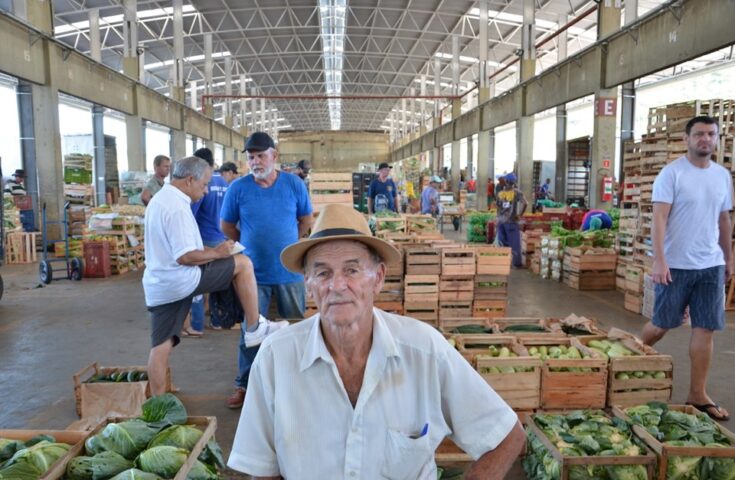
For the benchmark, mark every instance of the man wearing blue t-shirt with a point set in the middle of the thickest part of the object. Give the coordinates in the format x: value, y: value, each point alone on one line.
x: 382, y: 194
x: 206, y: 212
x: 274, y: 211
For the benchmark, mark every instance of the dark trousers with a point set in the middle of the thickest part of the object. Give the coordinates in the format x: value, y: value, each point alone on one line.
x: 509, y: 235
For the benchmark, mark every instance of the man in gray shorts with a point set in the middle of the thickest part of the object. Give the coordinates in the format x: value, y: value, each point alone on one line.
x: 179, y: 267
x: 692, y: 199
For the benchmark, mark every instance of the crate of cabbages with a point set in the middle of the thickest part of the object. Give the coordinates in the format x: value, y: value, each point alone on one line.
x: 163, y: 442
x: 572, y: 375
x: 636, y: 372
x: 585, y: 444
x: 104, y: 391
x: 689, y: 445
x: 38, y: 454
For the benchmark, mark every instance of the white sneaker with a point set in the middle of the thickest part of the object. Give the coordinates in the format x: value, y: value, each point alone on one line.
x: 265, y: 328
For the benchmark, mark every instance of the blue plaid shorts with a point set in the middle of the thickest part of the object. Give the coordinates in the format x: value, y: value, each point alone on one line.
x: 702, y: 290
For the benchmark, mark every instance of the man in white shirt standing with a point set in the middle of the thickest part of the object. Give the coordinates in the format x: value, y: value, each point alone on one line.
x: 179, y: 267
x: 692, y: 199
x: 355, y: 392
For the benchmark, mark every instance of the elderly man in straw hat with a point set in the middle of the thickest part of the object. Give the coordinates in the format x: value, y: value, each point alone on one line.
x: 355, y: 392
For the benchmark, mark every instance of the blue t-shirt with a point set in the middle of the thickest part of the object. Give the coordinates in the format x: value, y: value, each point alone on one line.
x: 427, y: 196
x: 383, y: 194
x: 268, y: 222
x: 206, y: 211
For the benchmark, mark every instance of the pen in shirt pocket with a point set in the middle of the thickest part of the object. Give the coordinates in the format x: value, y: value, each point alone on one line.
x: 424, y: 431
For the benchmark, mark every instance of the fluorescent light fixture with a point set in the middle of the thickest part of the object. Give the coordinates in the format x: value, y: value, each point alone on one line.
x: 332, y: 23
x: 116, y: 20
x: 192, y: 59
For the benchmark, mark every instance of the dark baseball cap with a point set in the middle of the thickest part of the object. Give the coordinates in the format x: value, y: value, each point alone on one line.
x: 228, y: 167
x: 383, y: 165
x: 259, y: 142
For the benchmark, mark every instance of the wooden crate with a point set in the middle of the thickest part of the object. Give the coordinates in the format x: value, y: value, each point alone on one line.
x: 421, y: 288
x: 649, y: 459
x: 521, y: 390
x: 489, y: 308
x: 665, y: 452
x: 385, y: 225
x: 581, y: 259
x: 425, y: 311
x: 330, y: 181
x: 421, y: 224
x: 423, y: 261
x: 470, y: 345
x: 490, y: 287
x: 392, y: 290
x: 392, y: 307
x: 501, y: 324
x: 20, y: 247
x: 579, y: 389
x: 458, y: 261
x: 589, y: 280
x: 70, y: 437
x: 449, y: 455
x: 447, y: 324
x: 396, y: 269
x: 456, y: 288
x: 129, y: 394
x: 455, y: 309
x: 493, y: 260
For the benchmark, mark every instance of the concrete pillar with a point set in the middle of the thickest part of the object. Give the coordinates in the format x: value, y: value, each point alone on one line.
x: 38, y: 108
x: 253, y: 109
x: 422, y: 108
x: 98, y: 140
x: 210, y: 145
x: 131, y: 62
x: 193, y: 95
x: 95, y: 45
x: 38, y: 13
x: 485, y: 166
x: 524, y: 126
x: 456, y: 112
x: 560, y: 182
x: 627, y: 97
x: 178, y: 144
x: 262, y: 115
x: 177, y: 86
x: 605, y: 119
x: 404, y: 129
x: 135, y: 131
x: 208, y: 106
x: 243, y: 105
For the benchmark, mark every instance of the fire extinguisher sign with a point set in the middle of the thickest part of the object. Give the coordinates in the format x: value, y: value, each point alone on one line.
x: 606, y: 163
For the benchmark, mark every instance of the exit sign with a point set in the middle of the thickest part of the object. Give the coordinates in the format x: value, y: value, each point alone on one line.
x: 606, y: 107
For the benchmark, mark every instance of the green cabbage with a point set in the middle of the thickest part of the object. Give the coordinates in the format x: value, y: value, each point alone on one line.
x: 683, y: 468
x: 181, y: 436
x: 627, y: 472
x: 101, y: 466
x: 8, y: 448
x: 135, y: 474
x: 200, y: 471
x: 20, y: 471
x: 127, y: 438
x: 41, y: 455
x: 164, y: 461
x: 164, y: 409
x: 715, y: 468
x: 212, y: 455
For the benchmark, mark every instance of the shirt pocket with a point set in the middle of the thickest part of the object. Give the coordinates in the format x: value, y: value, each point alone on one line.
x: 404, y: 456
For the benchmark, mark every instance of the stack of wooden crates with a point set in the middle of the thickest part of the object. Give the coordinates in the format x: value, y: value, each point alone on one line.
x: 589, y: 268
x: 330, y: 187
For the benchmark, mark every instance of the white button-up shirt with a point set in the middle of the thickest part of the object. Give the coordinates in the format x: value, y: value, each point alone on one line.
x: 298, y: 421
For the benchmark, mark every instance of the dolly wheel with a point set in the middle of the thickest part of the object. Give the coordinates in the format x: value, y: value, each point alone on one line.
x: 45, y: 272
x: 77, y: 269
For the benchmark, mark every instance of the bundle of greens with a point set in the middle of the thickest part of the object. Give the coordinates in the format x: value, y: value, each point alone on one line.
x: 583, y: 433
x: 154, y: 446
x: 576, y: 238
x: 679, y: 429
x: 477, y: 229
x: 31, y: 459
x: 390, y: 226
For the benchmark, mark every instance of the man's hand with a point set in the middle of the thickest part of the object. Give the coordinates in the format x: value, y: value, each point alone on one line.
x: 223, y: 249
x: 728, y: 270
x: 661, y: 273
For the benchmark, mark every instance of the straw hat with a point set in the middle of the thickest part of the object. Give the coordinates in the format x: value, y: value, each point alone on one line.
x: 337, y: 222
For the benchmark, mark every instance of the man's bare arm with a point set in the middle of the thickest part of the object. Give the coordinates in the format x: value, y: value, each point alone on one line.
x: 725, y: 225
x: 145, y: 196
x: 230, y: 230
x: 305, y: 223
x: 495, y: 464
x: 200, y: 257
x: 661, y: 273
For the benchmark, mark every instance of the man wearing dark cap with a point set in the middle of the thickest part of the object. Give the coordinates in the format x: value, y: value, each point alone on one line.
x: 383, y: 194
x: 302, y: 169
x: 511, y: 206
x: 273, y: 210
x: 228, y: 170
x: 15, y: 185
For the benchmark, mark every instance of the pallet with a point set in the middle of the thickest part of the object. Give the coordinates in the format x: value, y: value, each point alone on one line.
x: 493, y: 260
x: 423, y: 261
x: 458, y: 261
x: 456, y: 289
x: 20, y: 248
x: 666, y: 452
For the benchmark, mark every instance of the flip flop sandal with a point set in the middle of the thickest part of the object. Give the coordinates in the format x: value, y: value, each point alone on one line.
x: 705, y: 408
x: 191, y: 333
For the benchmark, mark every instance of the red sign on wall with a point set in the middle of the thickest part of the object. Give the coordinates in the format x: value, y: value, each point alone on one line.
x: 606, y: 163
x: 606, y: 107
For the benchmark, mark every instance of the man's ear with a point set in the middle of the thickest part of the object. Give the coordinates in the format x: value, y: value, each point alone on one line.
x: 379, y: 278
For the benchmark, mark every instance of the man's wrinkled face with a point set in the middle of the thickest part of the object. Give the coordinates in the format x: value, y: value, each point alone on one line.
x: 343, y: 278
x: 196, y: 189
x: 262, y: 163
x: 702, y: 139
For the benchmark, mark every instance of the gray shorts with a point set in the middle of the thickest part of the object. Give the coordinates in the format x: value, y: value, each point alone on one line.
x: 702, y: 290
x: 168, y: 319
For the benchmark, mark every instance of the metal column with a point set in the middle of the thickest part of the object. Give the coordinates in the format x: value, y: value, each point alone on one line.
x: 98, y: 140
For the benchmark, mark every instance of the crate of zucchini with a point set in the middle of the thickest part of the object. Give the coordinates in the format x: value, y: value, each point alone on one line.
x: 163, y: 443
x: 689, y: 445
x: 103, y: 391
x: 585, y: 445
x: 38, y: 454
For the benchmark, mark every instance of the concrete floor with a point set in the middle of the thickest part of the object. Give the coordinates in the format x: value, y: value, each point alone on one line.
x: 49, y: 333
